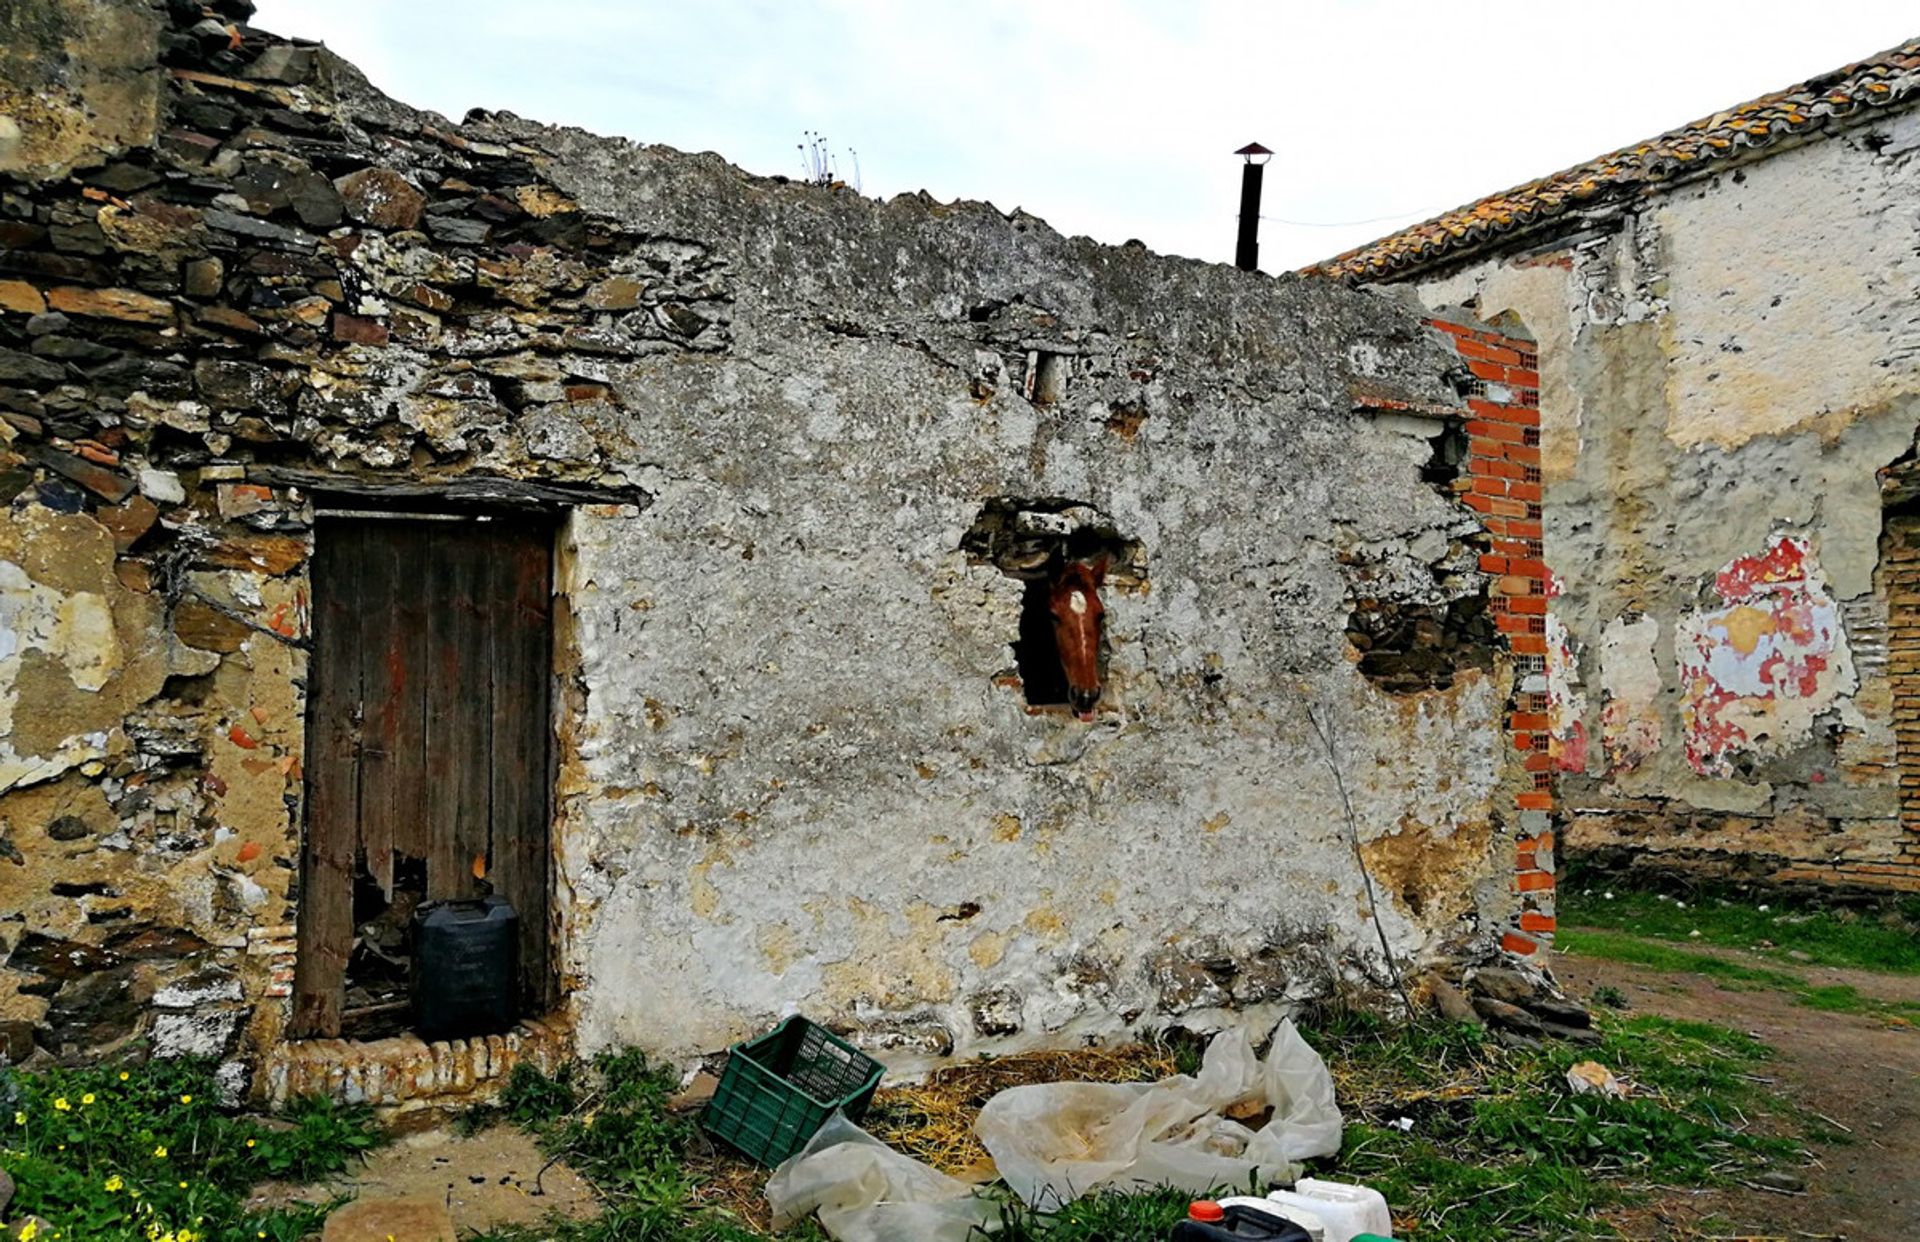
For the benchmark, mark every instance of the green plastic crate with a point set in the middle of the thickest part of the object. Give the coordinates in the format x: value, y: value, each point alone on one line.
x: 779, y: 1089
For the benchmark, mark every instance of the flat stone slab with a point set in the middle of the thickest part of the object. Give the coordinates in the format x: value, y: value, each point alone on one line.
x: 390, y: 1220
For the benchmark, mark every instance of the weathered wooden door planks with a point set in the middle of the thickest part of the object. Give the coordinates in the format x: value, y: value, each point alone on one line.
x: 429, y: 732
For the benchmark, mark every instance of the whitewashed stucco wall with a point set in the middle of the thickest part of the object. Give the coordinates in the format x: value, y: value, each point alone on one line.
x: 1726, y: 363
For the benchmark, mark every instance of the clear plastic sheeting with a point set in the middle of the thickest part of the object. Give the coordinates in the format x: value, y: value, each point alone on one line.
x: 1054, y: 1142
x: 865, y: 1191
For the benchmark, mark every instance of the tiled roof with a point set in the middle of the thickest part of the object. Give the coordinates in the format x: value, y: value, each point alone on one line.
x: 1830, y: 101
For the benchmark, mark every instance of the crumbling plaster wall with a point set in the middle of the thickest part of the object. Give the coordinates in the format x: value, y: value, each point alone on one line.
x: 803, y: 775
x: 796, y: 767
x: 1726, y: 365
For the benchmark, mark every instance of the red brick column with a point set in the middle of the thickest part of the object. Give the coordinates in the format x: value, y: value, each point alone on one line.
x: 1502, y: 484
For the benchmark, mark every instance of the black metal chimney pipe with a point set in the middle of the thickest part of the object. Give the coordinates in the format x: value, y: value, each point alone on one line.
x: 1246, y: 250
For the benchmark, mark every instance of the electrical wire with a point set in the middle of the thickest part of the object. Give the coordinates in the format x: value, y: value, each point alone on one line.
x: 1344, y: 224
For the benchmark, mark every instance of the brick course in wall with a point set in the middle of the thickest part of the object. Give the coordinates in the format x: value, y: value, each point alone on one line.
x: 1899, y: 582
x: 407, y: 1074
x: 1502, y: 484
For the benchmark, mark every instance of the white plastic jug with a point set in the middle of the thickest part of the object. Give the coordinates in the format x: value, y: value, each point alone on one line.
x: 1346, y: 1210
x: 1307, y: 1220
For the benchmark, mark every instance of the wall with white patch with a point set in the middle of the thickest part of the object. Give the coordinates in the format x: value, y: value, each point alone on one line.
x: 1730, y: 388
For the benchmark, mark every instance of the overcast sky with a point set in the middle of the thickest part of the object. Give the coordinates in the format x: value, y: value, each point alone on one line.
x: 1118, y: 119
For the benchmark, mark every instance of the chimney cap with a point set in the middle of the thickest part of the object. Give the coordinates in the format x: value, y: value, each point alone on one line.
x: 1252, y: 149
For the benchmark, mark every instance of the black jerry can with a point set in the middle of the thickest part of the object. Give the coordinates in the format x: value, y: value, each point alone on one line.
x: 464, y: 975
x: 1238, y: 1224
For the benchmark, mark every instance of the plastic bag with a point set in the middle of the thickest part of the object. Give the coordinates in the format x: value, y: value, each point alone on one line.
x: 865, y: 1191
x: 1054, y: 1142
x: 1306, y: 1120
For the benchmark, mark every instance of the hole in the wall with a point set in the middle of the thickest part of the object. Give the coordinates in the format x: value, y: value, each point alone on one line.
x: 1450, y: 449
x: 1046, y: 382
x: 376, y: 1003
x: 1036, y: 653
x: 1406, y: 648
x: 188, y: 689
x: 94, y: 888
x: 1055, y: 548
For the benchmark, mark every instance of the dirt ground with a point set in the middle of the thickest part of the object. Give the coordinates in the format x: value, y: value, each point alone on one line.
x: 1860, y: 1073
x: 497, y: 1177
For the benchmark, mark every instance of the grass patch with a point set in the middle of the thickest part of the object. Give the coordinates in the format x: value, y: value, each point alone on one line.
x: 145, y: 1153
x: 1832, y: 998
x: 1499, y: 1147
x: 652, y: 1168
x: 1467, y: 1138
x: 1098, y: 1217
x: 1884, y: 938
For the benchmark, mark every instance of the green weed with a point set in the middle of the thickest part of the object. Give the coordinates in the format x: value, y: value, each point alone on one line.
x: 1610, y: 996
x: 145, y: 1153
x: 1831, y: 998
x: 1885, y: 938
x: 1471, y: 1139
x: 1476, y: 1141
x: 1099, y: 1217
x: 612, y: 1125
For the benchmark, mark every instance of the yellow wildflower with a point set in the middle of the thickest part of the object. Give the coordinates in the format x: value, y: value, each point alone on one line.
x: 114, y: 1183
x: 87, y: 1098
x: 249, y: 1142
x: 186, y: 1099
x: 19, y: 1119
x: 124, y: 1075
x: 29, y: 1231
x: 160, y: 1153
x: 183, y: 1185
x: 62, y: 1104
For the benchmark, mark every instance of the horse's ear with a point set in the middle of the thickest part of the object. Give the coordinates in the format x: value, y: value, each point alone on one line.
x: 1099, y: 568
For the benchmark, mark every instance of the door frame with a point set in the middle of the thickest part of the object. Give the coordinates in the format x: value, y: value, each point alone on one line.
x: 314, y: 974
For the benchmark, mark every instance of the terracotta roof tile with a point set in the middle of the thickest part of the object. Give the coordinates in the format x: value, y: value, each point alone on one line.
x: 1830, y: 101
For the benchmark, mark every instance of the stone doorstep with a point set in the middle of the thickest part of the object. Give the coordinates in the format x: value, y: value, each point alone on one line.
x: 406, y: 1074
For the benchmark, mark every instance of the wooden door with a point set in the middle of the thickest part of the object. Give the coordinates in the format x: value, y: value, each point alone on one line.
x: 428, y: 733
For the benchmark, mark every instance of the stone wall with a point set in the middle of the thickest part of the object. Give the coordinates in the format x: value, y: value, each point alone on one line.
x: 1729, y: 367
x: 796, y: 766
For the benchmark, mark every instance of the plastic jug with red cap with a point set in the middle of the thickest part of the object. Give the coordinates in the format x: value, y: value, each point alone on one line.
x: 1235, y: 1220
x: 1313, y: 1211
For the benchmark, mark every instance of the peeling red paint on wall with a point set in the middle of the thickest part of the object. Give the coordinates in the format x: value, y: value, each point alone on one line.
x: 1782, y: 567
x: 1756, y: 672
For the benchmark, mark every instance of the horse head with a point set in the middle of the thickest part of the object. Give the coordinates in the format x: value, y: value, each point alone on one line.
x: 1073, y: 597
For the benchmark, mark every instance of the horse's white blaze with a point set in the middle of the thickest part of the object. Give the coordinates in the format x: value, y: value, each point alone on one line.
x: 1078, y: 602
